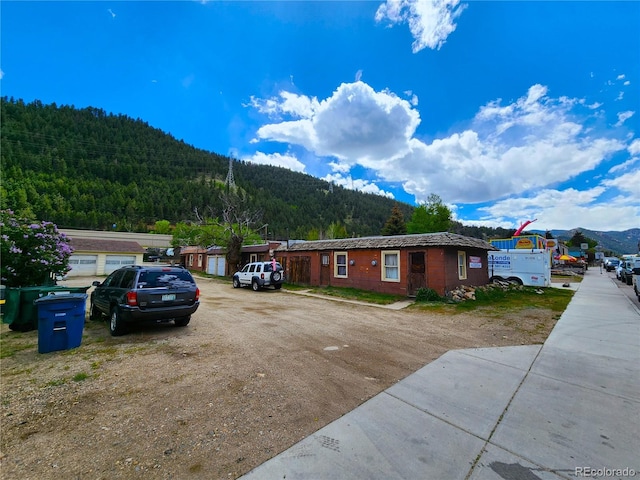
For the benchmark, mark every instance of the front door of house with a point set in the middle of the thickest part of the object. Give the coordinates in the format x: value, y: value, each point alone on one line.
x: 325, y: 269
x: 417, y: 272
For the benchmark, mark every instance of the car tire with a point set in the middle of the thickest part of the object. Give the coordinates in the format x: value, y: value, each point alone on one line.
x: 276, y: 277
x: 116, y: 324
x: 514, y: 281
x: 94, y: 313
x: 629, y: 280
x: 255, y: 286
x: 236, y: 282
x: 182, y: 321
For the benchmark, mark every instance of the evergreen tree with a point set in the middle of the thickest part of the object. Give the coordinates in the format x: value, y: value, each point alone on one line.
x: 395, y: 223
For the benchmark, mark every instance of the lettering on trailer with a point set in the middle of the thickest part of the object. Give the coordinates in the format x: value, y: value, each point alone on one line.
x: 502, y: 261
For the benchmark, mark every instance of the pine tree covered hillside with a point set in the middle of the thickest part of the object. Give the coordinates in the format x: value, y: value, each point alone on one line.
x: 86, y: 168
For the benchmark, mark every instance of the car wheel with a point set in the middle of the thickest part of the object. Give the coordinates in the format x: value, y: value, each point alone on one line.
x: 182, y: 321
x: 116, y: 325
x: 514, y: 281
x: 629, y: 280
x: 236, y: 282
x: 276, y: 276
x: 278, y: 286
x: 94, y: 313
x: 255, y: 286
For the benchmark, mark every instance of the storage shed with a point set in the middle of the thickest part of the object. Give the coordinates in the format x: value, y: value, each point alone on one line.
x: 398, y: 264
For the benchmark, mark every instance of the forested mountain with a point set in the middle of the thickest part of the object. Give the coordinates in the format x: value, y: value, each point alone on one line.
x: 85, y: 168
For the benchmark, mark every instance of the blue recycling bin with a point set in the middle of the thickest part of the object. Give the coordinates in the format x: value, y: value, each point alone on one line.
x: 60, y: 321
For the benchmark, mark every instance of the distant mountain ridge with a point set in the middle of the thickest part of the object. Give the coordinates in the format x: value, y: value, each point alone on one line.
x: 619, y: 243
x: 90, y: 169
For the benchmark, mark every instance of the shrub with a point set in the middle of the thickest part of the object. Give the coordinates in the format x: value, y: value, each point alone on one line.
x: 427, y: 295
x: 32, y: 252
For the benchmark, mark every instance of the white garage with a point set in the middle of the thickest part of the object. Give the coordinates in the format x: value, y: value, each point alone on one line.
x: 83, y: 265
x: 114, y: 262
x: 95, y: 257
x: 216, y: 265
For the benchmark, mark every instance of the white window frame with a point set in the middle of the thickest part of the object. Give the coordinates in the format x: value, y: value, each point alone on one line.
x: 462, y: 265
x: 336, y: 265
x: 253, y: 257
x: 199, y: 260
x: 191, y: 259
x: 384, y: 266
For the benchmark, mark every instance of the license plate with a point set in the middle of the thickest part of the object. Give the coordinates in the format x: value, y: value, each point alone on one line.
x: 168, y: 297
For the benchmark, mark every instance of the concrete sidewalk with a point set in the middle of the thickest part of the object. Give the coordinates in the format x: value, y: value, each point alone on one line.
x: 568, y: 409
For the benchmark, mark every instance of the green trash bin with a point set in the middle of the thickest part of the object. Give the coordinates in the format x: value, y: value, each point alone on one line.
x: 11, y: 305
x: 22, y: 312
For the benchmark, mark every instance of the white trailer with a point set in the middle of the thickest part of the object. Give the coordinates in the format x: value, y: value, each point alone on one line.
x: 525, y: 267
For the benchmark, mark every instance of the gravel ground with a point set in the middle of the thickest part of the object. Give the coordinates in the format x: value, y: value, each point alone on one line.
x: 251, y: 375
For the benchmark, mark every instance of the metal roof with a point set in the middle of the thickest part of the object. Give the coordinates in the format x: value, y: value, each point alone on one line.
x: 442, y: 239
x: 105, y: 246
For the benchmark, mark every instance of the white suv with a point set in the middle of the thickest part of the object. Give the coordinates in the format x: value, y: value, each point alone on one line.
x: 258, y: 275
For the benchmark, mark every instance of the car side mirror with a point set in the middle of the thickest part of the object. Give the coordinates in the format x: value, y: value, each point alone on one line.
x: 96, y: 283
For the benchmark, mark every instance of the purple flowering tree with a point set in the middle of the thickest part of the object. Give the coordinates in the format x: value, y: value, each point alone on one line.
x: 32, y: 253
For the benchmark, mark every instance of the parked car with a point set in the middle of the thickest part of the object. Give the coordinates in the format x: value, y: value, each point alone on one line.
x: 137, y: 294
x: 635, y: 281
x: 626, y: 272
x: 610, y: 263
x: 618, y: 270
x: 259, y: 275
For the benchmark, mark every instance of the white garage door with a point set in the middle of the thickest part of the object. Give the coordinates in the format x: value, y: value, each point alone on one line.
x: 114, y: 262
x: 83, y: 265
x: 215, y: 265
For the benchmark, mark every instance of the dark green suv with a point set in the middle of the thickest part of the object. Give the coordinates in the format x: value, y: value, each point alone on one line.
x: 137, y: 294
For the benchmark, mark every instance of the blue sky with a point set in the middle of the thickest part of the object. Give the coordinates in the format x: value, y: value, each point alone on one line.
x: 509, y: 111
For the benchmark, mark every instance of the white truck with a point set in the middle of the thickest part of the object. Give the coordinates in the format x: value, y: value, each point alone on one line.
x: 524, y: 267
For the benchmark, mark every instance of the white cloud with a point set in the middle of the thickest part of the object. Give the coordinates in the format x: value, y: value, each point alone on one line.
x: 358, y: 75
x: 298, y: 106
x: 413, y: 98
x: 568, y: 209
x: 528, y: 144
x: 621, y: 167
x: 624, y: 116
x: 620, y: 77
x: 430, y: 21
x: 356, y: 184
x: 627, y: 83
x: 355, y: 125
x: 634, y: 147
x: 1, y: 74
x: 113, y: 15
x: 277, y: 160
x: 620, y: 96
x: 627, y: 183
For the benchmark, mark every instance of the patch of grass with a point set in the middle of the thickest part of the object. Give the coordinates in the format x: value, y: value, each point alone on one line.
x: 9, y: 349
x: 555, y: 278
x: 79, y: 377
x: 494, y: 301
x: 518, y: 298
x: 294, y: 287
x: 56, y: 383
x: 356, y: 294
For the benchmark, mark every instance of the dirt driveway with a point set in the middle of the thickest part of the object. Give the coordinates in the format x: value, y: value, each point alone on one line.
x: 251, y: 375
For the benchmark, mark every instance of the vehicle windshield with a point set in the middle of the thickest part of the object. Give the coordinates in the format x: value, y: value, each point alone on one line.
x: 165, y: 279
